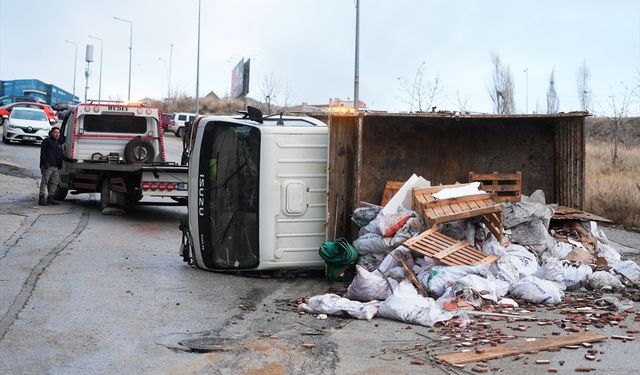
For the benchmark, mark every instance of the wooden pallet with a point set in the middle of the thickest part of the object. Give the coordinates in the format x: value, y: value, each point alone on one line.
x: 438, y: 211
x: 505, y: 186
x: 390, y: 189
x: 446, y: 250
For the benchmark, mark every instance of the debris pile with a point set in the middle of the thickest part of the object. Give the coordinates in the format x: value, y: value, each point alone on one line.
x: 432, y: 254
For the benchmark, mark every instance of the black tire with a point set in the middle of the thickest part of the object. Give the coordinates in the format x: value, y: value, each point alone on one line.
x: 105, y: 194
x: 139, y: 151
x: 60, y: 194
x: 180, y: 132
x: 5, y: 140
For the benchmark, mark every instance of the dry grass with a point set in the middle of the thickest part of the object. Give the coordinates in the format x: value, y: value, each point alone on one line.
x: 613, y: 191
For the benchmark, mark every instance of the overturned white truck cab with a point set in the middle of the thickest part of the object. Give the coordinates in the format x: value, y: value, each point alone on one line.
x: 258, y: 190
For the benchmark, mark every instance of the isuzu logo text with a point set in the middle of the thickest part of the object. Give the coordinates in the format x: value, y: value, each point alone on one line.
x: 201, y: 195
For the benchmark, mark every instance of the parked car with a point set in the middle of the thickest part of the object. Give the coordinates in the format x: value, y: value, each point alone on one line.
x: 178, y: 127
x: 51, y: 114
x: 13, y: 99
x: 25, y: 125
x: 166, y: 119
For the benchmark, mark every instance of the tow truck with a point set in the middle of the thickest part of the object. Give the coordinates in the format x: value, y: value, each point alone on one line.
x: 120, y: 153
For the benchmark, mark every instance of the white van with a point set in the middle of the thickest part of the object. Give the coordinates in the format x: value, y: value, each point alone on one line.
x: 258, y: 191
x: 178, y: 123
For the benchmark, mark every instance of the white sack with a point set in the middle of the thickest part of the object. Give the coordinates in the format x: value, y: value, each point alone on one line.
x: 333, y: 304
x: 488, y: 288
x: 516, y: 263
x: 390, y: 262
x: 404, y: 196
x: 574, y: 275
x: 536, y: 290
x: 609, y: 253
x: 368, y: 286
x: 408, y: 306
x: 493, y: 247
x: 551, y: 270
x: 561, y: 250
x: 628, y: 269
x: 604, y: 280
x: 439, y: 278
x: 372, y: 243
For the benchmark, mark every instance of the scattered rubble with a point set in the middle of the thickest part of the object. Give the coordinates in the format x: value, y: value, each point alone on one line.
x: 542, y: 256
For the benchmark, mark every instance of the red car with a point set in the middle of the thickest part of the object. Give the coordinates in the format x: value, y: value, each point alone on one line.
x: 165, y: 120
x: 51, y: 114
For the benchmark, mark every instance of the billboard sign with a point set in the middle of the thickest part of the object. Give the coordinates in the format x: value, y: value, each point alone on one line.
x: 240, y: 79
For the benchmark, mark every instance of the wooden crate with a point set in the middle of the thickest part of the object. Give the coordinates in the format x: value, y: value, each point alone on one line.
x: 437, y: 211
x: 505, y: 186
x: 390, y: 189
x: 446, y: 250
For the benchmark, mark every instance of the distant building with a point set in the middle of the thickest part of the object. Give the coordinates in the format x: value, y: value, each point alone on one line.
x: 335, y: 105
x: 213, y: 96
x: 51, y: 94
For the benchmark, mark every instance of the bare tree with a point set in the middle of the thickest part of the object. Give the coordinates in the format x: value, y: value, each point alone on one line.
x: 501, y: 89
x: 618, y: 107
x: 583, y: 86
x: 269, y: 90
x: 287, y: 98
x: 462, y: 103
x: 422, y: 93
x: 553, y: 103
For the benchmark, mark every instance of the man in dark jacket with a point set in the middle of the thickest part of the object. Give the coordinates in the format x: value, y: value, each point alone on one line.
x: 51, y: 157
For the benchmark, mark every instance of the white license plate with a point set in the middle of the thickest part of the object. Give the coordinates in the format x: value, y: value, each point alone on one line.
x: 29, y: 138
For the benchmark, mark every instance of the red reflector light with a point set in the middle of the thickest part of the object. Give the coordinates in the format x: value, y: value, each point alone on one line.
x: 171, y: 186
x: 145, y: 186
x: 154, y: 186
x: 162, y: 186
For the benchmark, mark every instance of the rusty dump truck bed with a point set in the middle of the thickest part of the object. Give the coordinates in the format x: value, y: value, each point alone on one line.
x: 366, y: 150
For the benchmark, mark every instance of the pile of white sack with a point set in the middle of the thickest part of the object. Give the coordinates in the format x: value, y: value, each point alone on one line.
x: 534, y: 270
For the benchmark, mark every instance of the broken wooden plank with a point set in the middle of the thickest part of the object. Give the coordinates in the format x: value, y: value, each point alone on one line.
x: 409, y: 274
x: 568, y: 213
x: 520, y: 348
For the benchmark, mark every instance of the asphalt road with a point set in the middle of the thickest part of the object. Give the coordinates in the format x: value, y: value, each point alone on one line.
x: 84, y: 293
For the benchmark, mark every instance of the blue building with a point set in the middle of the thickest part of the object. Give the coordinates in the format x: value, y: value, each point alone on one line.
x: 51, y: 94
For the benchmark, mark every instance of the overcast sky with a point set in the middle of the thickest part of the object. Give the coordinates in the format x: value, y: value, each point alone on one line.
x: 309, y: 46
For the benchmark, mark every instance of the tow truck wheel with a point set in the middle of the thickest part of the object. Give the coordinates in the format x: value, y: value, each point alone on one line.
x: 60, y: 194
x: 105, y: 194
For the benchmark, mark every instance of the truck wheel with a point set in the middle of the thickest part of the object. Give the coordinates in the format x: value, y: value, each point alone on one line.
x: 105, y: 194
x: 180, y: 132
x: 60, y: 194
x: 139, y: 151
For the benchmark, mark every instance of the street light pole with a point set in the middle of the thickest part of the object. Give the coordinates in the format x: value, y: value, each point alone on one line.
x: 526, y: 70
x: 75, y: 65
x: 99, y: 79
x: 198, y: 65
x: 164, y: 62
x: 170, y: 60
x: 356, y: 76
x: 130, y: 51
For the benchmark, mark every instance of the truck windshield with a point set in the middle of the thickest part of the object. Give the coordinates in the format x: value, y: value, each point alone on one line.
x: 115, y: 124
x: 230, y: 170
